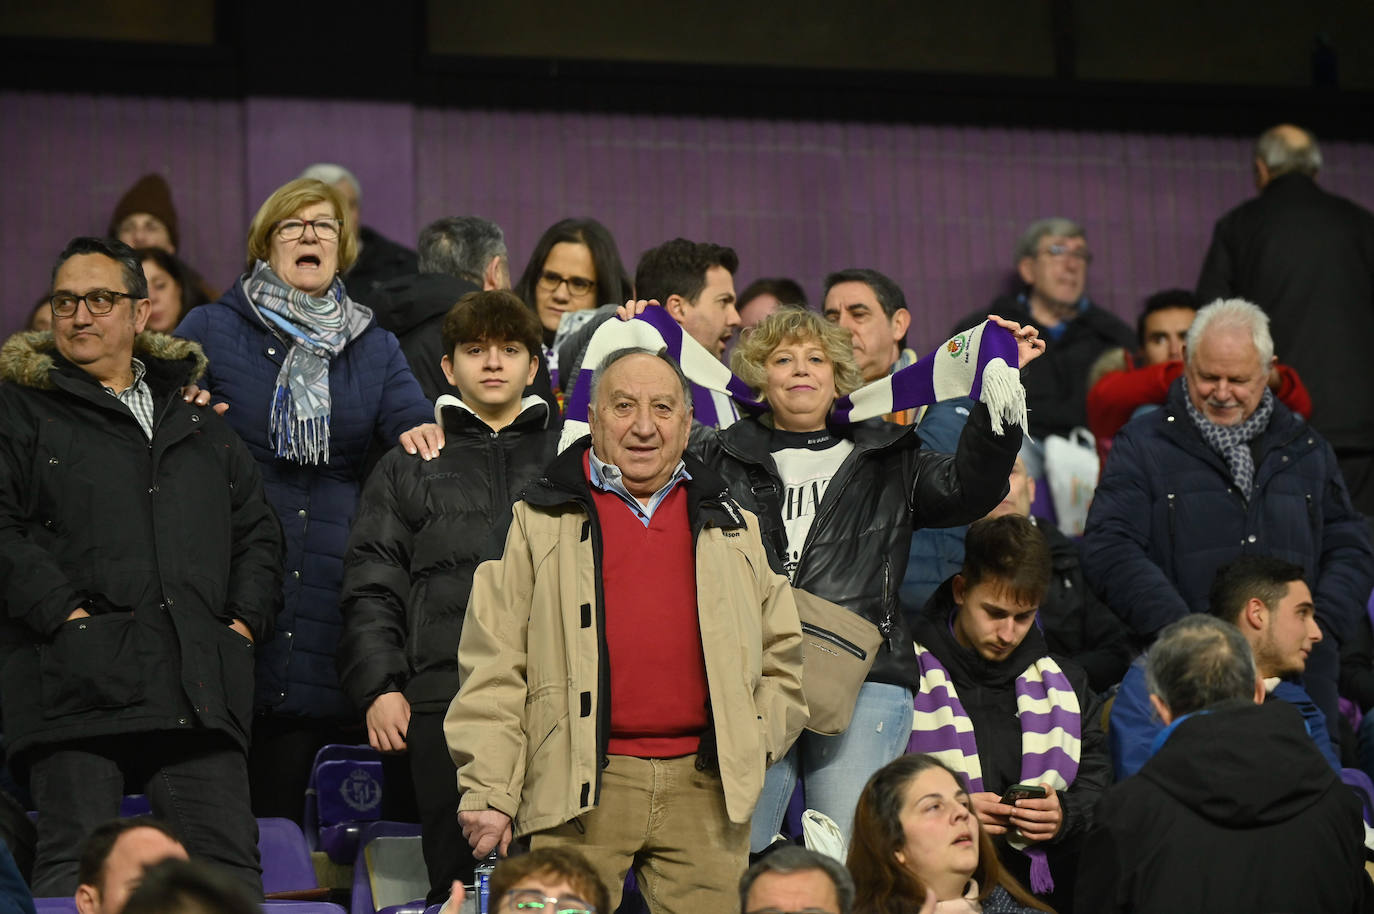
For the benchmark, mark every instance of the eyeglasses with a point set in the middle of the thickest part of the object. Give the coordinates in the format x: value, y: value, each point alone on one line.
x: 98, y: 301
x: 294, y: 229
x: 535, y: 900
x: 577, y: 286
x: 1063, y: 250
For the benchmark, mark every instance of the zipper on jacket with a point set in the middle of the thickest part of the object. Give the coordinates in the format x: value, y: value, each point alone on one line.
x: 887, y: 626
x: 838, y: 641
x: 1173, y: 520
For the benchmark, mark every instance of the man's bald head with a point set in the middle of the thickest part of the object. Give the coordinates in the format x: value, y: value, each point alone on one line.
x: 1285, y: 149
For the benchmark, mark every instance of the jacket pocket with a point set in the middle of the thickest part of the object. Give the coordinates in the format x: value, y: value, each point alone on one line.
x: 236, y: 658
x: 91, y: 664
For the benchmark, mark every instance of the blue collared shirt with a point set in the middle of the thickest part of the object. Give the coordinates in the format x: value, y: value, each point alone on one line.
x: 608, y: 478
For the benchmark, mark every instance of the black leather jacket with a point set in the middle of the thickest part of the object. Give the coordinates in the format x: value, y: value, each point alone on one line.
x: 856, y: 552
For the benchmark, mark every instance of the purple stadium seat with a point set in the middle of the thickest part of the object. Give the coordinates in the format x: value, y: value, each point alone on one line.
x: 284, y: 906
x: 65, y: 905
x: 286, y: 864
x: 345, y: 792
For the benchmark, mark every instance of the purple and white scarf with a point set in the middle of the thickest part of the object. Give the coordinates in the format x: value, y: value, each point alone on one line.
x: 1051, y: 735
x: 981, y: 363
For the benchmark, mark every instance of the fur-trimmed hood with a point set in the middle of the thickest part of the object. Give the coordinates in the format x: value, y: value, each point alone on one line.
x: 27, y: 358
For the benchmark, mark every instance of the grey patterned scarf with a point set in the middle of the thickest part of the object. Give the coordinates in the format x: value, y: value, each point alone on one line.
x: 319, y: 329
x: 1232, y: 442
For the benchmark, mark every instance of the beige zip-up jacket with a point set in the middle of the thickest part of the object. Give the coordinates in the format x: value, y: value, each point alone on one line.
x: 528, y: 727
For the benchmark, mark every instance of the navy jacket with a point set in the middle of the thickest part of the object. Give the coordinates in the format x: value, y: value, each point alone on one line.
x: 1166, y: 516
x: 373, y: 394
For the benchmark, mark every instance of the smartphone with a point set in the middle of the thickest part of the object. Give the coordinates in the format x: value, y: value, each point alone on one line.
x: 1022, y: 792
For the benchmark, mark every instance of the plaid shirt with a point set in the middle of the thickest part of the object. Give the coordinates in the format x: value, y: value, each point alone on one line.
x: 137, y: 398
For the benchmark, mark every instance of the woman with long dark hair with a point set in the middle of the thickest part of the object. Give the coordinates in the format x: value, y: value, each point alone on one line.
x: 914, y: 831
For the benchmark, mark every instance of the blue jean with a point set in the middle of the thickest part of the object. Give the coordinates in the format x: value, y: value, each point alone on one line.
x: 834, y: 769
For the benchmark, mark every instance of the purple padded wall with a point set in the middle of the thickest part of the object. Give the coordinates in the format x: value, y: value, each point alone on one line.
x: 937, y: 207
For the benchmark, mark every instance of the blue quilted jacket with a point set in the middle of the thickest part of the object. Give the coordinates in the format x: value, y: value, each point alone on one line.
x: 1166, y: 516
x: 373, y: 395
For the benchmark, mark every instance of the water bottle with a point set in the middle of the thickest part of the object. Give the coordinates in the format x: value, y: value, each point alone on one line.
x: 482, y: 882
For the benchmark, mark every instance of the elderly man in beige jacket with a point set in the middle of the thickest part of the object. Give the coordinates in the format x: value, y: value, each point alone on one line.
x: 631, y: 665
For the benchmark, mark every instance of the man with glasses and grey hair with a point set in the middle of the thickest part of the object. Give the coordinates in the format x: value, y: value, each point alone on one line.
x: 139, y: 565
x: 1236, y: 810
x: 1052, y: 259
x: 458, y: 255
x: 796, y: 879
x: 1306, y: 256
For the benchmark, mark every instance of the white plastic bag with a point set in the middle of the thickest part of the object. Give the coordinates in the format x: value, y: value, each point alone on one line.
x: 1071, y: 468
x: 821, y: 834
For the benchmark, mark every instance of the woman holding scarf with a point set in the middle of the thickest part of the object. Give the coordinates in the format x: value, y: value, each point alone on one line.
x: 838, y: 497
x: 311, y: 381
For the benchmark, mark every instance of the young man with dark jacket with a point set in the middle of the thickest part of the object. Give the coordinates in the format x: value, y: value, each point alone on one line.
x: 996, y: 702
x: 421, y: 531
x: 139, y: 564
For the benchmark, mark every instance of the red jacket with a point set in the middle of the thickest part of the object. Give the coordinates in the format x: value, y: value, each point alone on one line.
x: 1114, y: 399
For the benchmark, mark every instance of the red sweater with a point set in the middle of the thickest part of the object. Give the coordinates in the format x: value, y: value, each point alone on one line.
x: 659, y: 696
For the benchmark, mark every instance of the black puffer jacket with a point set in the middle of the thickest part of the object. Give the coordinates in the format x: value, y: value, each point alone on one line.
x: 857, y: 550
x: 164, y: 542
x: 422, y: 529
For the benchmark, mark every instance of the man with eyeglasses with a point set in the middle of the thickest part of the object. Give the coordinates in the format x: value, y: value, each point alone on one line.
x: 139, y: 564
x: 1052, y: 261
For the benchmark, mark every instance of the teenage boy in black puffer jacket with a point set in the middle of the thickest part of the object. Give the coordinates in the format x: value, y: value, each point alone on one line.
x: 421, y: 531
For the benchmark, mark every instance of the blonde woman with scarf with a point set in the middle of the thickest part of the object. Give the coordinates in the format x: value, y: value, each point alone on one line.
x: 311, y: 382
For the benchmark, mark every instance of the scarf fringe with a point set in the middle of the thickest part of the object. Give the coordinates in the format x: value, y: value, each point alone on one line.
x: 304, y: 441
x: 1041, y: 879
x: 1004, y: 396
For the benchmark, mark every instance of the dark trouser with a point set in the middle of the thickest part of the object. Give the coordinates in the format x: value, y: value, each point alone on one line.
x: 283, y: 753
x: 448, y: 856
x: 196, y: 782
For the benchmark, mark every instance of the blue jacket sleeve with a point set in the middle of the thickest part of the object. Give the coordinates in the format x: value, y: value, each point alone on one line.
x: 1312, y: 717
x: 403, y: 404
x: 1117, y: 540
x: 1132, y: 725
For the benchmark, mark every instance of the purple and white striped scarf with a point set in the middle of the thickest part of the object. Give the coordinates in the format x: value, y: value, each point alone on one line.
x: 979, y: 363
x: 1051, y: 734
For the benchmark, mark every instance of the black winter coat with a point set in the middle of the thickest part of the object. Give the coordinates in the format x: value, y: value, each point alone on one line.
x: 1057, y: 382
x: 987, y: 691
x: 1237, y: 812
x: 1075, y: 622
x: 413, y: 308
x: 379, y: 260
x: 165, y: 543
x: 1166, y: 516
x: 422, y: 529
x: 858, y: 546
x: 1307, y: 258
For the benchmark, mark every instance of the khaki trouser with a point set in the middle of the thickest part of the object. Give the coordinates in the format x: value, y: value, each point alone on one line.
x: 668, y: 821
